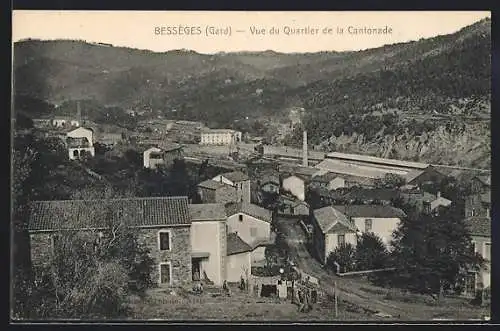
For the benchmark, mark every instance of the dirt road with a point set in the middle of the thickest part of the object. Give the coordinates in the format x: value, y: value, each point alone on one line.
x: 348, y: 289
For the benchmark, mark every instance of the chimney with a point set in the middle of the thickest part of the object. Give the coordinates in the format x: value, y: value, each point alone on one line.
x: 439, y: 194
x: 78, y: 111
x: 304, y: 150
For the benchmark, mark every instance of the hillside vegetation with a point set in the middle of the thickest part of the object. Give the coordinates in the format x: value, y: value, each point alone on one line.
x: 404, y: 100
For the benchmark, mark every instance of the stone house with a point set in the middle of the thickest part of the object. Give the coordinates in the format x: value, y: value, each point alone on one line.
x: 162, y: 224
x: 381, y: 220
x: 294, y: 207
x: 238, y: 180
x: 252, y: 224
x: 211, y: 191
x: 425, y: 176
x: 65, y: 121
x: 331, y: 228
x: 269, y: 184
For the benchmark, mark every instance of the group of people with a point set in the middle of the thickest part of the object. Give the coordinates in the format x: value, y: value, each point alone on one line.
x: 304, y: 300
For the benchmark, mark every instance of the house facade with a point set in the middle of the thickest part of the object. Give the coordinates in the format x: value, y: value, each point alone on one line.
x: 331, y: 228
x: 380, y: 220
x: 208, y: 242
x: 155, y: 156
x: 220, y: 137
x: 253, y: 225
x: 239, y: 259
x: 211, y: 191
x: 162, y: 224
x: 480, y: 231
x: 62, y: 122
x: 419, y: 177
x: 80, y: 142
x: 329, y: 181
x: 238, y: 180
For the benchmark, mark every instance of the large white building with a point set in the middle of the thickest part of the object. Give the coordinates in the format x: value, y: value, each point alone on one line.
x: 220, y: 137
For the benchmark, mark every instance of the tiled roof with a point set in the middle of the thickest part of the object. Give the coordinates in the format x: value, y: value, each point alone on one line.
x: 373, y: 211
x: 383, y: 194
x: 270, y: 179
x: 84, y: 214
x: 207, y: 211
x: 211, y: 184
x: 250, y: 209
x: 219, y: 131
x: 479, y: 226
x: 236, y: 245
x: 235, y: 176
x: 328, y: 217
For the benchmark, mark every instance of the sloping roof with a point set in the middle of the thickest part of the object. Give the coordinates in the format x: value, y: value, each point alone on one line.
x: 250, y: 209
x: 218, y: 131
x: 325, y: 178
x: 486, y: 180
x: 370, y: 211
x: 341, y: 167
x: 212, y: 184
x: 479, y: 226
x: 270, y: 179
x: 83, y: 214
x: 382, y: 194
x: 413, y: 175
x: 236, y: 245
x: 440, y: 201
x: 328, y: 217
x: 207, y: 211
x: 379, y: 160
x: 235, y: 176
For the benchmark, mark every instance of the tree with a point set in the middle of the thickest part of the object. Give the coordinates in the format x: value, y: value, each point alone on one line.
x: 92, y: 271
x: 391, y: 181
x: 433, y: 252
x: 345, y: 256
x: 371, y: 252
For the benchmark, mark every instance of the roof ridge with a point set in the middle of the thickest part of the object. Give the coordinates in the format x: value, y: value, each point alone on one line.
x: 115, y: 199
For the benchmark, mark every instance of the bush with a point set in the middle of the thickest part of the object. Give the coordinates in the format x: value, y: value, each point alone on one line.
x: 345, y: 256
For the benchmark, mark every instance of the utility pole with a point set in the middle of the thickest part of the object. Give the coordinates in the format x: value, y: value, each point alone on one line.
x: 335, y: 295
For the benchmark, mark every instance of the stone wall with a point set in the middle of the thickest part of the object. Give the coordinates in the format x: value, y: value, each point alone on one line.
x: 179, y: 254
x: 41, y: 248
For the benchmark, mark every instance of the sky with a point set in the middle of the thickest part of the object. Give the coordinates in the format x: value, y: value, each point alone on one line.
x: 315, y: 31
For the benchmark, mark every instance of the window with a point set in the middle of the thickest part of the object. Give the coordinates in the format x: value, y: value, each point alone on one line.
x: 473, y: 212
x: 341, y: 239
x: 253, y: 231
x: 487, y: 251
x: 166, y: 273
x: 473, y: 247
x: 368, y: 225
x: 240, y: 218
x: 164, y: 240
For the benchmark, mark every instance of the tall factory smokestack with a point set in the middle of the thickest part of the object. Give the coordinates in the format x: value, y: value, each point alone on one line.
x: 78, y: 112
x: 304, y: 150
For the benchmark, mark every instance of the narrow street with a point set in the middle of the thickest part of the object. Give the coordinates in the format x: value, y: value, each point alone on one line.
x: 349, y: 289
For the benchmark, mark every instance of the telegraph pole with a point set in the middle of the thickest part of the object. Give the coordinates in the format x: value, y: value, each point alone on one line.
x: 335, y: 295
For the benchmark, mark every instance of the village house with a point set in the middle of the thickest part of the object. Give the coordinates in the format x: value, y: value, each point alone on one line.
x: 377, y: 219
x: 295, y: 185
x: 329, y: 180
x: 480, y: 231
x: 424, y: 201
x: 162, y: 224
x: 220, y: 137
x: 294, y: 207
x: 239, y: 259
x: 253, y: 225
x: 420, y: 177
x: 211, y: 191
x: 269, y: 184
x: 481, y: 184
x: 209, y: 242
x: 80, y: 142
x: 331, y: 228
x: 238, y: 180
x: 361, y: 195
x: 165, y: 156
